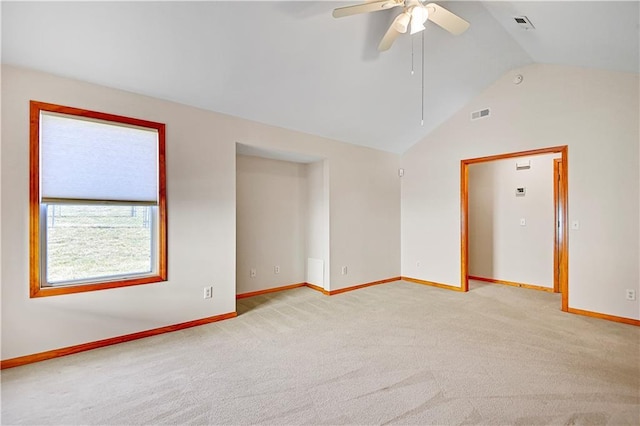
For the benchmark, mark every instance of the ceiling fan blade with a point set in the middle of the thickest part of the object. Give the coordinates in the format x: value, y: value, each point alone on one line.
x: 373, y: 6
x: 447, y: 20
x: 388, y: 39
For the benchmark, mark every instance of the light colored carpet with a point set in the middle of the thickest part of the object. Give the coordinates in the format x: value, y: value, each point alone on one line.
x: 397, y: 353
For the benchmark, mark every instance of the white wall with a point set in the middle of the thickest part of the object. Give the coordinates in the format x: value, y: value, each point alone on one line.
x: 369, y: 239
x: 364, y: 203
x: 201, y: 197
x: 499, y: 246
x: 271, y: 222
x: 596, y: 114
x: 317, y: 248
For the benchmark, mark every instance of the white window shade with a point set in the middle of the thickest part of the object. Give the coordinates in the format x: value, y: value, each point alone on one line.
x: 82, y: 159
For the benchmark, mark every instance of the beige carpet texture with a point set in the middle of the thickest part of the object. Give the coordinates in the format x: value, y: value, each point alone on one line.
x: 396, y: 353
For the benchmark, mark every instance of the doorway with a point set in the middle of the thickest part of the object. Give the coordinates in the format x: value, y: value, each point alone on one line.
x: 560, y: 195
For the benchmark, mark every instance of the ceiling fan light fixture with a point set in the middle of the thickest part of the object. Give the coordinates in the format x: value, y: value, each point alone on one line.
x: 413, y: 17
x: 416, y: 27
x: 419, y: 15
x: 401, y: 22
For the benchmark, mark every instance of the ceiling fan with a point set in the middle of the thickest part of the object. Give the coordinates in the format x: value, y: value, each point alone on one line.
x: 413, y: 17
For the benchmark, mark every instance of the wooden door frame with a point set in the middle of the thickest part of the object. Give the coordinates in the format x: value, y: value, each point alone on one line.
x: 558, y: 219
x: 561, y: 247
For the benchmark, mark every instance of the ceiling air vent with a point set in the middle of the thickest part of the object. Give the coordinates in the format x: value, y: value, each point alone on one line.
x: 524, y: 22
x: 480, y: 114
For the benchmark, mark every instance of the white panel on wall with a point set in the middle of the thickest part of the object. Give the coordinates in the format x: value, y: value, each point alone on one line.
x: 315, y: 272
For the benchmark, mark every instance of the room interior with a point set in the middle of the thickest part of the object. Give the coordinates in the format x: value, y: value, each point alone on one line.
x: 293, y: 142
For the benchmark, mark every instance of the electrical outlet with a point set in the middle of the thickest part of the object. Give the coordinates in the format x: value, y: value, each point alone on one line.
x: 344, y: 270
x: 276, y: 269
x: 252, y: 273
x: 631, y: 294
x: 208, y: 292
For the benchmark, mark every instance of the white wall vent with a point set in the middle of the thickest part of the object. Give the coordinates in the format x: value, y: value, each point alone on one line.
x: 524, y: 22
x: 480, y: 114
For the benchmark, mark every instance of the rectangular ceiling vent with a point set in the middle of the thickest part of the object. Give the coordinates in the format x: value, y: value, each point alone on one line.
x: 480, y: 114
x: 524, y: 22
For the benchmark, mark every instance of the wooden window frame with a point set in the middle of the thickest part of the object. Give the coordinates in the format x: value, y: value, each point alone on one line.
x: 36, y: 289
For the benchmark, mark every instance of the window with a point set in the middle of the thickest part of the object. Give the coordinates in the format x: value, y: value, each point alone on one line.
x: 97, y: 201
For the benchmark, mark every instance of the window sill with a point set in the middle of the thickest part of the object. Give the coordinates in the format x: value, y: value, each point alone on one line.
x: 81, y: 288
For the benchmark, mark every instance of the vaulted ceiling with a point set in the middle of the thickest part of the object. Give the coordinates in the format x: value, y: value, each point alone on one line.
x: 292, y: 65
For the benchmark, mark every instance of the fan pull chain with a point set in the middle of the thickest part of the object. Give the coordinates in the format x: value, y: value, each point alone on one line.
x: 422, y: 120
x: 411, y: 55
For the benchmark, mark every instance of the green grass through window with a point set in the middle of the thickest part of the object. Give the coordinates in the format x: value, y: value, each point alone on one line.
x: 86, y: 242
